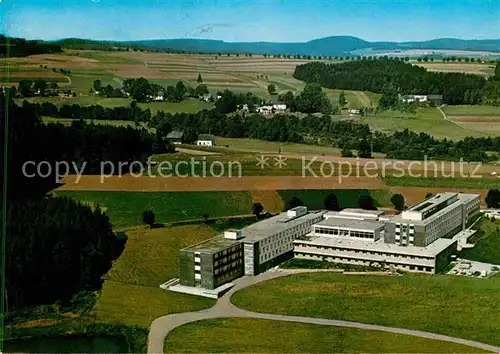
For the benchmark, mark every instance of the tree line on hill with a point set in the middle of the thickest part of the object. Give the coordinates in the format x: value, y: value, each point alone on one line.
x: 311, y: 129
x: 323, y: 130
x: 393, y: 77
x: 57, y: 250
x: 20, y: 47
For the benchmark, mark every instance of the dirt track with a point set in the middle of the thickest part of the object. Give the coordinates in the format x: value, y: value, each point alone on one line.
x: 180, y: 184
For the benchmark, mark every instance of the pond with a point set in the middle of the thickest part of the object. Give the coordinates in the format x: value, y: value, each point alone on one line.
x: 69, y: 344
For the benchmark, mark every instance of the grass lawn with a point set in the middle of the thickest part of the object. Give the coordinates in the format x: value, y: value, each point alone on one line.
x: 457, y: 306
x: 150, y: 256
x: 68, y: 121
x: 442, y: 182
x: 251, y: 335
x: 131, y: 294
x: 263, y: 146
x: 314, y: 199
x: 186, y: 106
x: 125, y: 208
x: 487, y: 248
x: 426, y: 120
x: 477, y: 110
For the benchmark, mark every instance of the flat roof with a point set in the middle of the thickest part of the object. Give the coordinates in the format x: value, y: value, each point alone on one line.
x: 362, y: 211
x: 281, y: 222
x: 428, y: 203
x: 377, y: 246
x: 212, y: 245
x: 371, y: 225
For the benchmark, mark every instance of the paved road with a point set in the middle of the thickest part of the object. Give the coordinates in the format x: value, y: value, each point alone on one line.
x: 162, y: 326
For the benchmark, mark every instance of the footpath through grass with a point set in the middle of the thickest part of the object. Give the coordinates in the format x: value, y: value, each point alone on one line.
x: 456, y: 306
x: 246, y: 335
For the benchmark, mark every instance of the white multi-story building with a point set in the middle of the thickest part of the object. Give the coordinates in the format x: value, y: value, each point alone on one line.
x: 270, y: 241
x: 420, y: 239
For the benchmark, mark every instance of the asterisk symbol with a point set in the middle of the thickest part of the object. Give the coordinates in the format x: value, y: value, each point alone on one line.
x: 280, y: 161
x: 262, y: 161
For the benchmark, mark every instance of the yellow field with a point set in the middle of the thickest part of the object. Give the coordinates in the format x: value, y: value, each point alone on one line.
x: 462, y: 67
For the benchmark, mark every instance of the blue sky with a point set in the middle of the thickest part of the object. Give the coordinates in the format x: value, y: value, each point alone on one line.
x: 251, y: 20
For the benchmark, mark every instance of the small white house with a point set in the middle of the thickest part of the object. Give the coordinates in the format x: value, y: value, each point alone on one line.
x: 414, y: 98
x: 205, y: 140
x: 354, y: 112
x: 266, y: 110
x: 279, y: 107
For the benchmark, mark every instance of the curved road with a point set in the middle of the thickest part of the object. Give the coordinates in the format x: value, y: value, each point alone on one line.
x: 162, y: 326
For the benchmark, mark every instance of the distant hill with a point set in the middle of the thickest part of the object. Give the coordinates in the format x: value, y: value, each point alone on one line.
x: 334, y: 45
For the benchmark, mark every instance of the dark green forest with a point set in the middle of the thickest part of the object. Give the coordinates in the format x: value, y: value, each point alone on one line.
x: 56, y: 248
x: 20, y: 47
x: 391, y: 76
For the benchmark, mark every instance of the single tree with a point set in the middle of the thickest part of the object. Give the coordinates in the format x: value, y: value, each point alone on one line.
x: 429, y: 195
x: 271, y: 88
x: 25, y: 88
x: 342, y: 99
x: 346, y: 153
x: 366, y: 202
x: 205, y: 218
x: 148, y: 217
x: 257, y: 209
x: 398, y: 201
x: 294, y: 202
x: 199, y: 80
x: 201, y: 90
x: 493, y: 198
x: 40, y: 86
x: 332, y: 203
x: 364, y: 149
x: 97, y: 85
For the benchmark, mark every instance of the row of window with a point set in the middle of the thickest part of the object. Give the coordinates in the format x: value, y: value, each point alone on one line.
x: 357, y: 261
x: 227, y: 251
x: 384, y: 254
x: 343, y: 232
x: 229, y: 258
x: 228, y: 267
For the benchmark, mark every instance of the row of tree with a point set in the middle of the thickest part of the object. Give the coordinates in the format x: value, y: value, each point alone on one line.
x: 39, y: 87
x: 393, y: 77
x: 325, y: 131
x: 285, y: 128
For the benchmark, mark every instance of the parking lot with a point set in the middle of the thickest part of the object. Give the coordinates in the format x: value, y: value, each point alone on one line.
x: 473, y: 269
